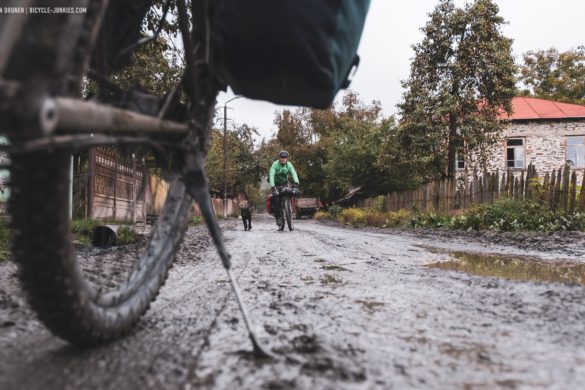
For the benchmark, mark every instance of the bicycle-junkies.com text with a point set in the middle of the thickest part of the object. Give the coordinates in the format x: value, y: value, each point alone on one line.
x: 43, y: 10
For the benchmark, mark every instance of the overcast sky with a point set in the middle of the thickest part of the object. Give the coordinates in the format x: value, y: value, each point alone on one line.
x: 392, y: 27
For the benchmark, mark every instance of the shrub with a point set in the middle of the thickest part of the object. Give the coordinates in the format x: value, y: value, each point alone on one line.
x: 335, y: 210
x: 503, y: 215
x: 375, y: 218
x: 430, y: 220
x: 83, y: 226
x: 571, y: 222
x: 319, y: 215
x: 514, y: 215
x: 397, y: 218
x: 82, y: 230
x: 196, y: 220
x: 352, y: 216
x: 379, y: 203
x: 126, y: 235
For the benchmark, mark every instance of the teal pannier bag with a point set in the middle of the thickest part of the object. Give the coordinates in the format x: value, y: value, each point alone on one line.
x: 292, y: 52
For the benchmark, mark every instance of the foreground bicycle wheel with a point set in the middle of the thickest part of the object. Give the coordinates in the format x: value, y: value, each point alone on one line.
x: 89, y: 295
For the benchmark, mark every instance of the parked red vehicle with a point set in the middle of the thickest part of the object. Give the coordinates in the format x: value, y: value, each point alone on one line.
x: 306, y: 206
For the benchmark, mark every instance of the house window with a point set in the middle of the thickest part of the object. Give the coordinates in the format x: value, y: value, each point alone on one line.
x: 576, y: 151
x: 459, y: 159
x: 515, y: 155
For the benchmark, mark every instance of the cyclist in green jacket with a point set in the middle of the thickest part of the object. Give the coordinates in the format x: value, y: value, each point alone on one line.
x: 279, y: 174
x: 280, y: 170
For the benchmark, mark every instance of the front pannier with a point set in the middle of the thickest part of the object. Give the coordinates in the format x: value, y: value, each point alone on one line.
x: 292, y: 52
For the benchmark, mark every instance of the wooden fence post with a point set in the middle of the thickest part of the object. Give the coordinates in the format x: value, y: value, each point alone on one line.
x: 565, y: 189
x: 510, y: 190
x: 497, y: 185
x: 504, y: 185
x: 545, y: 189
x: 557, y: 191
x: 551, y: 188
x: 572, y: 192
x: 582, y: 196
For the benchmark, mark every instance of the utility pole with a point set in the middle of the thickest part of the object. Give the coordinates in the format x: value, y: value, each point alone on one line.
x: 225, y: 155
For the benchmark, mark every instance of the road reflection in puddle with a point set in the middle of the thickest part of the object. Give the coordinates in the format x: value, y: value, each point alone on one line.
x: 514, y: 267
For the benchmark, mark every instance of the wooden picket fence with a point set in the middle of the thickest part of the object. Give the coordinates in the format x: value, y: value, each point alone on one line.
x: 557, y: 189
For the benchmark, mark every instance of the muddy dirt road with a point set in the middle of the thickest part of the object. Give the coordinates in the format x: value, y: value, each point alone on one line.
x: 339, y: 307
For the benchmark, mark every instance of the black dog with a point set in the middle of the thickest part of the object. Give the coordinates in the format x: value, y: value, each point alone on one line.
x: 246, y: 212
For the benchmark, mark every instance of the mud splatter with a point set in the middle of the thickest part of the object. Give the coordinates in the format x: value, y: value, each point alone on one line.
x: 330, y: 280
x: 369, y: 305
x: 333, y: 268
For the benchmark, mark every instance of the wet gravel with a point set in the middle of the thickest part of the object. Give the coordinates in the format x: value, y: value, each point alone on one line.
x: 338, y: 307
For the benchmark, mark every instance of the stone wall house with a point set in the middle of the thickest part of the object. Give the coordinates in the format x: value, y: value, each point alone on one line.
x: 540, y: 132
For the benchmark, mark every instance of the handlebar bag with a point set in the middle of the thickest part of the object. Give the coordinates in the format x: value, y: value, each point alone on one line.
x: 292, y: 52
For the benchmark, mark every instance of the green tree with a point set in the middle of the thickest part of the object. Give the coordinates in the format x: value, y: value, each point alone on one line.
x: 296, y: 134
x: 243, y: 172
x: 555, y: 75
x: 354, y: 146
x: 461, y: 76
x: 337, y: 148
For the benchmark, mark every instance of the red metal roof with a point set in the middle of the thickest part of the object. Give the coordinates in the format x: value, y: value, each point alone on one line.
x: 525, y: 107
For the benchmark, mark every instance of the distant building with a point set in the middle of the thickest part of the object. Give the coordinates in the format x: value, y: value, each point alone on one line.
x: 540, y: 132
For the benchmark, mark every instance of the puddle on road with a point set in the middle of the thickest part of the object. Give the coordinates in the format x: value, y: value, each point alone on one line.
x: 514, y: 267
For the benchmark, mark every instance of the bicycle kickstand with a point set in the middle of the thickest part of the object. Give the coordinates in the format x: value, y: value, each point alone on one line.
x: 197, y: 188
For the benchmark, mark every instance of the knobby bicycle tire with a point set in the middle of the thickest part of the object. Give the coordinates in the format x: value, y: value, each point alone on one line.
x: 288, y: 212
x: 63, y: 297
x: 281, y: 212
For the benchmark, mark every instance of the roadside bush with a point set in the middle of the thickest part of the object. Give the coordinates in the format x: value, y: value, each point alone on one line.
x: 514, y: 215
x: 379, y: 203
x: 126, y: 235
x: 572, y: 222
x: 469, y: 220
x: 375, y: 218
x: 83, y: 226
x: 503, y: 215
x: 196, y: 220
x: 320, y: 215
x: 82, y: 229
x: 335, y: 210
x: 430, y: 220
x: 352, y: 216
x: 397, y: 218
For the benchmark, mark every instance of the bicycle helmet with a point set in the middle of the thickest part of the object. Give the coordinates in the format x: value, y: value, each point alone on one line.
x: 283, y: 153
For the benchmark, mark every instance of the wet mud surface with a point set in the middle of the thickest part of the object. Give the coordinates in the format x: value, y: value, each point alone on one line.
x: 338, y: 307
